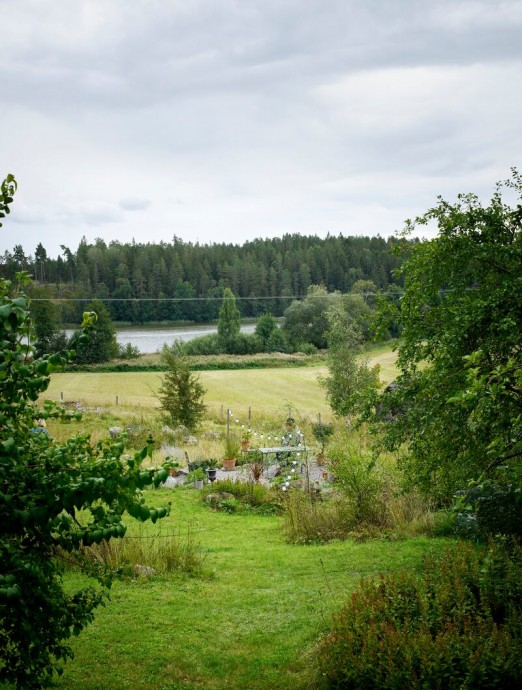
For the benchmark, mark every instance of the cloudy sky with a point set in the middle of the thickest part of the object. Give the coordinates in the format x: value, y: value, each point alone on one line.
x: 227, y: 120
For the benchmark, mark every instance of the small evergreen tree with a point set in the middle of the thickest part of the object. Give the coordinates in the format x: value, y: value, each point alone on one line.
x: 181, y: 393
x: 229, y: 323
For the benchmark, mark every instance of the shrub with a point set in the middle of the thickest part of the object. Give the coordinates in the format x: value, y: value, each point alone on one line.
x: 205, y: 345
x: 246, y: 494
x: 308, y: 519
x: 456, y: 625
x: 362, y: 479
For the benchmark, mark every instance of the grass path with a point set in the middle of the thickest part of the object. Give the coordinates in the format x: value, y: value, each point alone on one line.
x: 250, y: 626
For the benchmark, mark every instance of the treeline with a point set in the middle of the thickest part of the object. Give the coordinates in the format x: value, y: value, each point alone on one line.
x: 182, y: 281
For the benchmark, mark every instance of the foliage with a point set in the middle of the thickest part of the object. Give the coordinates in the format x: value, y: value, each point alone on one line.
x: 265, y: 326
x: 305, y: 321
x: 231, y: 447
x: 278, y: 342
x: 364, y: 480
x: 45, y: 316
x: 196, y: 475
x: 277, y: 270
x: 181, y: 393
x: 210, y: 344
x: 450, y: 627
x: 311, y: 519
x: 322, y: 433
x: 350, y: 381
x: 7, y: 192
x: 262, y: 499
x: 166, y: 551
x: 457, y: 400
x: 128, y: 351
x: 229, y: 322
x: 54, y: 495
x: 490, y: 507
x: 102, y: 345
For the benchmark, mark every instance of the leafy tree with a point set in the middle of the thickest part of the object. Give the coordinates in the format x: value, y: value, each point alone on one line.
x: 265, y: 326
x: 229, y: 323
x: 278, y: 342
x: 181, y: 393
x: 102, y: 344
x: 457, y: 400
x: 54, y: 498
x: 306, y: 321
x: 350, y: 381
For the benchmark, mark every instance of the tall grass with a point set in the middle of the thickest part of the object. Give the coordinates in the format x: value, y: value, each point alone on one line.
x: 143, y: 553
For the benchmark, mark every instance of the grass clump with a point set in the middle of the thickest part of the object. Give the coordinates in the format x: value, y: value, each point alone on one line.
x: 143, y: 553
x: 454, y: 625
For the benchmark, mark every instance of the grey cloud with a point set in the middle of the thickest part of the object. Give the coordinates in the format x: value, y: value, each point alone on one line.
x: 135, y: 204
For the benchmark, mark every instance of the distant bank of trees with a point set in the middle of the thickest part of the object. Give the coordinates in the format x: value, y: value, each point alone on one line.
x: 182, y: 281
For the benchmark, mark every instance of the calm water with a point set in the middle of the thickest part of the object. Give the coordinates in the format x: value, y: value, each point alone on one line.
x: 152, y: 339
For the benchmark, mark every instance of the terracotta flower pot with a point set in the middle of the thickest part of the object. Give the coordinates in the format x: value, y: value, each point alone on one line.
x: 229, y: 464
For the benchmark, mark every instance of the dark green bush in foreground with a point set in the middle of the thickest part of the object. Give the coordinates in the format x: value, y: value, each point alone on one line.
x: 456, y: 625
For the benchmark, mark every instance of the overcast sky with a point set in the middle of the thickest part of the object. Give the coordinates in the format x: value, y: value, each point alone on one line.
x: 227, y: 120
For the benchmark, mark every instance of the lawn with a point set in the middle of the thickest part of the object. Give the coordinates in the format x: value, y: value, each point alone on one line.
x: 249, y: 623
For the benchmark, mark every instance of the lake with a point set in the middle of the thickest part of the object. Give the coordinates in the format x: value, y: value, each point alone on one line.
x: 152, y: 339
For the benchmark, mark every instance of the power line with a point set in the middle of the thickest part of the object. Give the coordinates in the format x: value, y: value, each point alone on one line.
x: 188, y: 299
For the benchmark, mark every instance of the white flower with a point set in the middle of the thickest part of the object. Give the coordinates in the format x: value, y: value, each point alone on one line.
x: 289, y: 477
x: 293, y: 469
x: 284, y: 488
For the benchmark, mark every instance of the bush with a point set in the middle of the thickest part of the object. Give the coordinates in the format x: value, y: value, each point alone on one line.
x: 362, y: 479
x: 490, y: 508
x: 205, y: 345
x: 309, y: 519
x: 247, y: 495
x: 457, y: 625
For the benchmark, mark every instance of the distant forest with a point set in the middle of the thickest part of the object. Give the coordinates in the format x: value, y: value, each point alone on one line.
x: 182, y: 281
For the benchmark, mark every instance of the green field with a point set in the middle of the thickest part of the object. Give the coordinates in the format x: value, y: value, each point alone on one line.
x: 263, y: 390
x: 250, y: 623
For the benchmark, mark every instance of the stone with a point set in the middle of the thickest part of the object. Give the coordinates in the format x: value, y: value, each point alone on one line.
x: 144, y: 570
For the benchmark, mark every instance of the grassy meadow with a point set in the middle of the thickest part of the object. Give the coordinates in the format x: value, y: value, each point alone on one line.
x: 250, y: 620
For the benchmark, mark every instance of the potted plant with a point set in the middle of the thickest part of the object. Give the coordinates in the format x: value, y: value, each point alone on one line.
x: 211, y: 470
x: 231, y: 451
x: 196, y: 477
x: 256, y: 465
x: 245, y: 439
x: 322, y: 433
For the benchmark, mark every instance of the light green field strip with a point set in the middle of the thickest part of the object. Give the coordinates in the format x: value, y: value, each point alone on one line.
x: 265, y: 390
